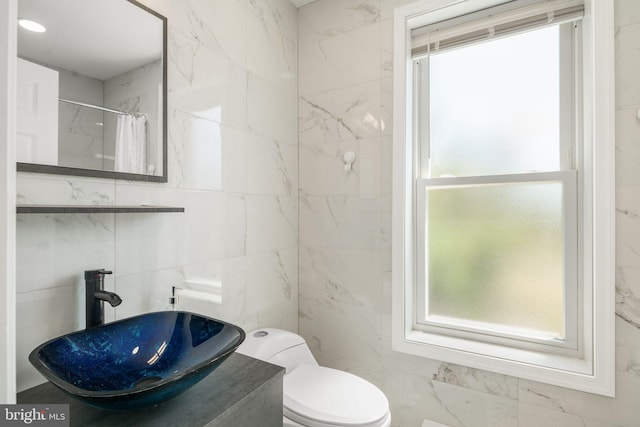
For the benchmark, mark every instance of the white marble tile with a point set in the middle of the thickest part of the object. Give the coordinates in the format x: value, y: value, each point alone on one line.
x: 386, y: 106
x: 625, y: 405
x: 34, y: 188
x: 475, y: 379
x: 627, y: 334
x: 235, y: 145
x: 80, y: 133
x: 206, y: 155
x: 217, y: 25
x: 395, y: 361
x: 385, y: 289
x: 323, y: 325
x: 386, y: 48
x: 281, y: 15
x: 627, y: 227
x: 322, y: 169
x: 406, y: 412
x: 272, y: 290
x: 200, y: 152
x: 535, y: 416
x: 82, y: 151
x: 272, y: 167
x: 235, y: 225
x: 270, y: 110
x: 145, y: 292
x: 345, y: 277
x: 341, y: 222
x: 627, y: 12
x: 471, y: 408
x: 146, y: 242
x: 627, y: 63
x: 273, y: 54
x: 40, y: 316
x: 623, y: 410
x: 55, y: 250
x: 327, y: 18
x: 206, y: 84
x: 627, y: 147
x: 367, y: 167
x: 150, y: 291
x: 344, y: 60
x: 414, y: 398
x: 272, y: 223
x: 386, y: 164
x: 212, y: 227
x: 228, y: 273
x: 146, y: 193
x: 628, y: 296
x: 175, y: 164
x: 233, y: 275
x: 346, y: 114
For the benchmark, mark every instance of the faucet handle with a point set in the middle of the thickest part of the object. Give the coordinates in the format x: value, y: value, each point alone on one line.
x: 95, y: 274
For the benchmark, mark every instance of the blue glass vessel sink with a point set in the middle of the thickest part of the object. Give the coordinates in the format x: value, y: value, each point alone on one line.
x: 137, y: 362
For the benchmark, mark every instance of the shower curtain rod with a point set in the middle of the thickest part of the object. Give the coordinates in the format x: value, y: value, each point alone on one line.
x: 97, y: 107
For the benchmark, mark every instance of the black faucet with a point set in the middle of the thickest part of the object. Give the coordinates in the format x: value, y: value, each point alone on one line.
x: 95, y: 294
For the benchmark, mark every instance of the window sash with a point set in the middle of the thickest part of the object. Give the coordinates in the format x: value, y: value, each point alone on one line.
x: 570, y: 45
x: 513, y: 337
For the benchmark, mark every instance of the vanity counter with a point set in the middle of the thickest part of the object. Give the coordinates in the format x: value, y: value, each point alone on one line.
x: 242, y: 391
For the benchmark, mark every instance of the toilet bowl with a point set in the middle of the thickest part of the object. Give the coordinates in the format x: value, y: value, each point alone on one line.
x: 316, y: 396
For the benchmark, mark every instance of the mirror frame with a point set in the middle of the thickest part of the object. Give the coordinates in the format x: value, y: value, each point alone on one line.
x: 96, y: 173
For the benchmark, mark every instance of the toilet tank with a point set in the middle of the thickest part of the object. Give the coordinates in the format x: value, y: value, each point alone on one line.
x: 276, y: 346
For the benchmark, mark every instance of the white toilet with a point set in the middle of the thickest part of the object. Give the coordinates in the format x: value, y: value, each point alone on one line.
x: 316, y: 396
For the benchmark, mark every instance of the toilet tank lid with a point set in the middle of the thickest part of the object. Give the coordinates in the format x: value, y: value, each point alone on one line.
x: 264, y: 343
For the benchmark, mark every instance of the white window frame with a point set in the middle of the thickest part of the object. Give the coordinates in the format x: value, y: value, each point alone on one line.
x: 593, y: 368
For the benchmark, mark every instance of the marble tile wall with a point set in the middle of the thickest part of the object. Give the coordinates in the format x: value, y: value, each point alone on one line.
x: 79, y: 137
x: 345, y: 104
x: 233, y: 165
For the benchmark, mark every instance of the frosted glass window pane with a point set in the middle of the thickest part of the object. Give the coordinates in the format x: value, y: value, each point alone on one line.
x: 495, y: 255
x: 494, y: 106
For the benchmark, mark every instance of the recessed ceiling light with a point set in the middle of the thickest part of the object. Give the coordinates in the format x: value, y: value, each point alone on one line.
x: 31, y: 25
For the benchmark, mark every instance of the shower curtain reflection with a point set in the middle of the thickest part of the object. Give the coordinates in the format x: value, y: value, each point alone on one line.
x: 131, y: 144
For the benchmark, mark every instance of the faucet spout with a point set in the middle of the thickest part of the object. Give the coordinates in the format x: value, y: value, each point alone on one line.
x: 110, y: 297
x: 96, y: 295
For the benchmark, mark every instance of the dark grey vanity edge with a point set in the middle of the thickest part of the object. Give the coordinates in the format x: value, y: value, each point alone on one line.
x: 240, y: 390
x: 66, y: 209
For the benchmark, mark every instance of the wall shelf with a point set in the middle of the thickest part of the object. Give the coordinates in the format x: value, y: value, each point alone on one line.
x: 69, y: 209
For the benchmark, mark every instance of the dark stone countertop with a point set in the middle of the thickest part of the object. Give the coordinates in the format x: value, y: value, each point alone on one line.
x: 220, y: 399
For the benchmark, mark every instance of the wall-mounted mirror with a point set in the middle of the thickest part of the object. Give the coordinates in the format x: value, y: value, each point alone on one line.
x: 91, y: 92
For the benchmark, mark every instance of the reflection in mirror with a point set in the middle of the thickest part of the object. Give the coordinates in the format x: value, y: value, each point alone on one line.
x: 91, y: 92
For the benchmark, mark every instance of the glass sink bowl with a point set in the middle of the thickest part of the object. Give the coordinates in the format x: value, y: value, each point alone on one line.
x: 137, y: 362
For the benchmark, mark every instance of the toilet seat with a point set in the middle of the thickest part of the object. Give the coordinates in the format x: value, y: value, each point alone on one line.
x: 317, y: 396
